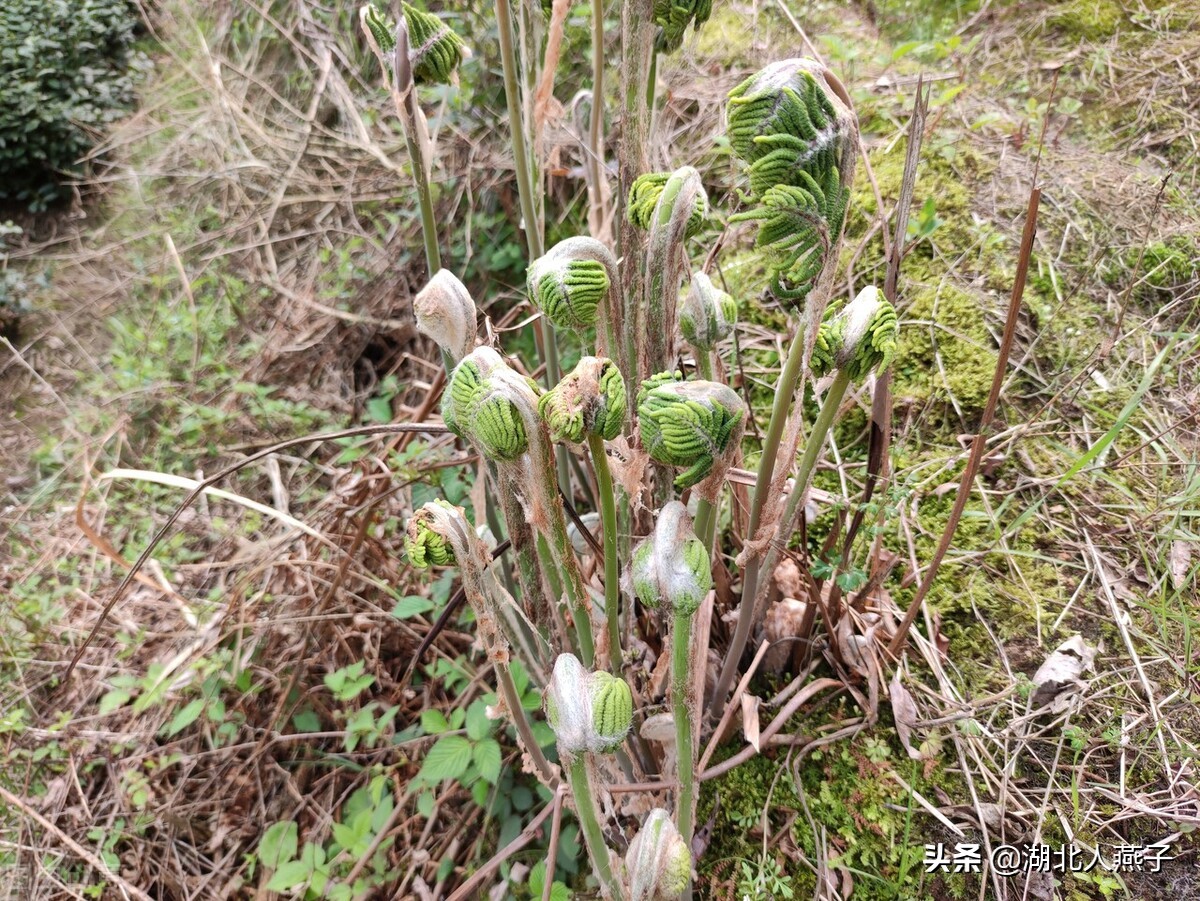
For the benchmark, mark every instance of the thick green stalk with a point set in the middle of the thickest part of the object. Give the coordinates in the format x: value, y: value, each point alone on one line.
x: 512, y: 94
x: 751, y: 598
x: 652, y: 88
x: 595, y: 134
x: 608, y: 516
x: 706, y: 523
x: 681, y: 711
x: 589, y: 822
x: 812, y: 452
x: 633, y: 159
x: 554, y: 582
x: 785, y: 390
x: 704, y: 363
x: 433, y: 258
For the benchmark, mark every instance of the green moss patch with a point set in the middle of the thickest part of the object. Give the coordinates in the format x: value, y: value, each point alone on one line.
x: 946, y: 353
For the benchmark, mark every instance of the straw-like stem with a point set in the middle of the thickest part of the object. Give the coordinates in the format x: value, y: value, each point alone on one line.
x: 612, y: 563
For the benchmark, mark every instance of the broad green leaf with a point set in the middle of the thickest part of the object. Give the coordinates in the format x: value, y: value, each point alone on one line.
x: 112, y: 700
x: 425, y: 804
x: 278, y: 844
x: 447, y: 759
x: 290, y: 875
x: 434, y: 722
x: 306, y: 721
x: 478, y: 724
x: 410, y: 606
x: 185, y: 717
x: 488, y: 758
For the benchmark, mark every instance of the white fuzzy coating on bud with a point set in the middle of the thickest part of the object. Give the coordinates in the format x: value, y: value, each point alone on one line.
x: 584, y: 710
x: 445, y: 313
x: 704, y: 316
x: 658, y: 863
x: 670, y: 566
x: 857, y: 316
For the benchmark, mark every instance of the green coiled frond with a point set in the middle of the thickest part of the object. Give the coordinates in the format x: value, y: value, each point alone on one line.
x: 380, y: 26
x: 434, y: 50
x: 658, y: 862
x: 567, y: 291
x: 587, y: 711
x: 612, y: 710
x: 673, y: 17
x: 671, y: 566
x: 707, y: 315
x: 784, y: 107
x: 859, y: 339
x: 425, y: 544
x: 643, y: 198
x: 474, y: 411
x: 799, y: 139
x: 688, y: 424
x: 589, y: 400
x: 796, y: 223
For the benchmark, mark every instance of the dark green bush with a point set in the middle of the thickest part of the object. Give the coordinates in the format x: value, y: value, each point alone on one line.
x: 65, y: 71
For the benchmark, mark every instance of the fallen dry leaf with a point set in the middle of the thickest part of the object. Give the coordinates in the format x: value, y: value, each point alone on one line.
x: 750, y: 720
x: 1180, y: 561
x: 904, y: 711
x: 1063, y: 669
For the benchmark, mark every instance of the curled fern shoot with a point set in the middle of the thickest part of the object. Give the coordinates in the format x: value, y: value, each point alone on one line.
x: 568, y: 291
x: 590, y: 400
x: 644, y: 196
x: 791, y: 126
x: 858, y: 339
x: 445, y: 312
x: 474, y: 409
x: 673, y: 18
x: 658, y: 863
x: 434, y: 49
x: 707, y: 315
x: 689, y: 425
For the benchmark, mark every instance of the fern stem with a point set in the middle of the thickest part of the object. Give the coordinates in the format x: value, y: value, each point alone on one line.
x: 608, y: 516
x: 589, y: 822
x: 789, y: 379
x: 512, y: 699
x: 681, y: 711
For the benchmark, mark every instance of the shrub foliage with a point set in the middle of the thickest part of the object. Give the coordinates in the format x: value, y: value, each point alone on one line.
x: 65, y: 69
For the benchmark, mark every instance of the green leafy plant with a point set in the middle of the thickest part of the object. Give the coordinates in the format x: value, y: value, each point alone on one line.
x: 793, y: 126
x: 66, y: 67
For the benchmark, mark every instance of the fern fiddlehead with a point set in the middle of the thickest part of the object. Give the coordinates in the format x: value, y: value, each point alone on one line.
x: 445, y: 312
x: 689, y: 425
x: 671, y: 569
x: 590, y: 400
x: 590, y: 713
x: 644, y: 196
x: 798, y: 139
x: 495, y: 409
x: 438, y: 534
x: 658, y: 863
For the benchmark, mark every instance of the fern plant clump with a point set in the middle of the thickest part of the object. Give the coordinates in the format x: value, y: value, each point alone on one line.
x: 646, y: 429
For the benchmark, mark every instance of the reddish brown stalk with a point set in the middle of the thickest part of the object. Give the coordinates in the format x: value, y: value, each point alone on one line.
x: 989, y: 413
